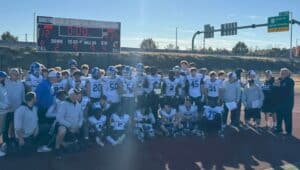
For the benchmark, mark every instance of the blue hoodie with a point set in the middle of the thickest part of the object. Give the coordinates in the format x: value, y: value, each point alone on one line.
x: 44, y: 94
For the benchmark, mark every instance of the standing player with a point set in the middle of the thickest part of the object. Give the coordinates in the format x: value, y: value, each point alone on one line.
x: 195, y: 88
x: 212, y: 88
x: 127, y: 85
x: 59, y: 85
x: 140, y: 82
x: 153, y: 90
x: 111, y: 87
x: 170, y: 89
x: 181, y: 78
x: 94, y: 85
x: 34, y: 77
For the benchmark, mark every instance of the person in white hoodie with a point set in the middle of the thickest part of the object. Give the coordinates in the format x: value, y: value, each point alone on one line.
x: 70, y: 119
x: 252, y: 99
x: 4, y: 105
x: 16, y: 96
x: 231, y: 96
x: 26, y: 123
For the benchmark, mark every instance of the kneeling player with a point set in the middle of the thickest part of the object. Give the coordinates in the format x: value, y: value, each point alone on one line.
x: 169, y: 122
x: 212, y: 119
x: 144, y: 122
x: 119, y: 123
x: 189, y: 116
x: 97, y: 124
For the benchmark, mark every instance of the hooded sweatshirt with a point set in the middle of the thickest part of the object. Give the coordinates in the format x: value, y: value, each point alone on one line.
x: 232, y: 91
x: 4, y: 103
x: 26, y: 120
x: 15, y: 92
x: 253, y: 95
x: 70, y: 114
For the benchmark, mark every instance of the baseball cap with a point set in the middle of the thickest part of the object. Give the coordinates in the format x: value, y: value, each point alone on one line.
x: 53, y: 74
x: 3, y: 74
x: 74, y: 91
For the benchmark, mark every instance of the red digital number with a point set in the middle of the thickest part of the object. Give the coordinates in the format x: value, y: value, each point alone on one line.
x: 56, y: 47
x: 93, y: 48
x: 75, y: 47
x: 70, y: 31
x: 84, y: 32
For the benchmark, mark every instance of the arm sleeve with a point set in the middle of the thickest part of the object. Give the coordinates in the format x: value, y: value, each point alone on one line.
x: 18, y: 119
x: 60, y: 116
x: 5, y: 103
x: 80, y: 118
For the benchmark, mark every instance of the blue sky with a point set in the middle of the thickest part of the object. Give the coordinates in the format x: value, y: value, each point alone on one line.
x: 158, y: 19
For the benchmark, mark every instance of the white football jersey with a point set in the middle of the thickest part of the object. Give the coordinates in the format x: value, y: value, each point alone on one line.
x: 139, y: 84
x: 110, y: 89
x: 95, y: 88
x: 192, y: 111
x: 119, y: 122
x: 80, y: 84
x: 181, y: 85
x: 153, y: 82
x: 33, y: 81
x: 139, y: 117
x: 128, y: 87
x: 98, y: 122
x: 167, y: 115
x: 84, y: 102
x: 58, y: 86
x: 195, y: 85
x: 104, y: 107
x: 171, y: 87
x: 213, y: 87
x: 211, y: 112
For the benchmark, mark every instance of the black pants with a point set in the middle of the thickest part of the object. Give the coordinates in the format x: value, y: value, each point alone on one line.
x: 212, y: 126
x: 198, y: 103
x: 153, y: 102
x: 286, y: 116
x: 235, y: 115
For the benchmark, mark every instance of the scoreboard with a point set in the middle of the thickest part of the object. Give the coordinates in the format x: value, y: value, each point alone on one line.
x: 74, y: 35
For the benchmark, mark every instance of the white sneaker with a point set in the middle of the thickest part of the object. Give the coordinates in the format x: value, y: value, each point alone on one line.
x: 121, y: 139
x: 99, y: 142
x: 44, y: 148
x: 2, y: 153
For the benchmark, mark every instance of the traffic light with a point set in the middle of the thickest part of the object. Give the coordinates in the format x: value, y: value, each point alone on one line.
x: 209, y: 31
x: 229, y: 29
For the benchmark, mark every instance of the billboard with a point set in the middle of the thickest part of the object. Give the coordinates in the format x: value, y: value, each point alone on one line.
x: 76, y: 35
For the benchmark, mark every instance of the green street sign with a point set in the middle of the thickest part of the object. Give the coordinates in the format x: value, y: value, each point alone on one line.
x: 278, y: 23
x: 284, y: 13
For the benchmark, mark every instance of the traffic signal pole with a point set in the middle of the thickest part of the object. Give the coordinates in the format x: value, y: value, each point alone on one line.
x: 219, y: 30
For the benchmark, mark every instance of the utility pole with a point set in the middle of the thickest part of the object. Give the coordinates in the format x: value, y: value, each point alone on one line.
x: 291, y: 38
x: 33, y: 36
x: 176, y: 47
x: 26, y: 37
x: 203, y: 43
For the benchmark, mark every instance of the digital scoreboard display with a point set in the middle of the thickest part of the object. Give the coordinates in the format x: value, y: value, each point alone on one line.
x: 74, y: 35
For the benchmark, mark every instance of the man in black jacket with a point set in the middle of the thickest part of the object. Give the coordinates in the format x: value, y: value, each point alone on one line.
x: 286, y: 104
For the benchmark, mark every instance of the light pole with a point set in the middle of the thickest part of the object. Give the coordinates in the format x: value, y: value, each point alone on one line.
x: 291, y: 38
x: 176, y: 47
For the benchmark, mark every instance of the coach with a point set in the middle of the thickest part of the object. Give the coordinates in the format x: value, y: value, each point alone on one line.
x: 45, y: 96
x: 286, y: 101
